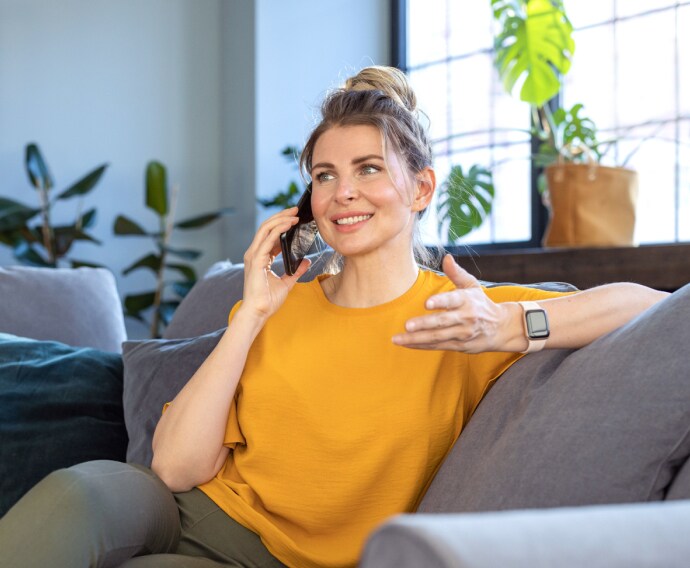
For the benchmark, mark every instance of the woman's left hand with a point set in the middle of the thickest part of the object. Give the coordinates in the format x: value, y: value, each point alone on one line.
x: 465, y: 318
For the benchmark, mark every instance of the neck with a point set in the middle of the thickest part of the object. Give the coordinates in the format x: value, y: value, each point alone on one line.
x: 371, y: 281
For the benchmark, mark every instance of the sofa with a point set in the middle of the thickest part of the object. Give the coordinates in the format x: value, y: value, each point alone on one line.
x: 573, y: 458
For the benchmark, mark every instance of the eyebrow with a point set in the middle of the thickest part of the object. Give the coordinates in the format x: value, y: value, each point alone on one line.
x: 354, y: 162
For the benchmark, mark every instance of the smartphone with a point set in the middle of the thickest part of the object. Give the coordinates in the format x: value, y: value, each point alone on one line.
x: 296, y: 242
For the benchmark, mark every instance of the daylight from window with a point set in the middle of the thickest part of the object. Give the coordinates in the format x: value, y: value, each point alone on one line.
x: 631, y: 71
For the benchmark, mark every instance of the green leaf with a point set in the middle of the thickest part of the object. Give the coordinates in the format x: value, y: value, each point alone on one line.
x: 187, y: 271
x: 85, y: 184
x: 535, y: 46
x: 166, y: 310
x: 135, y: 303
x: 187, y: 254
x: 203, y: 220
x: 88, y: 219
x: 151, y: 261
x: 465, y: 200
x: 285, y: 199
x: 66, y: 235
x: 183, y: 288
x: 14, y: 215
x: 25, y: 253
x: 157, y: 188
x: 37, y: 169
x: 84, y: 264
x: 124, y: 226
x: 291, y: 154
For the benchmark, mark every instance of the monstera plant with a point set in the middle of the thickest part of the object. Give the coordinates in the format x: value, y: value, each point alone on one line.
x: 533, y: 50
x: 29, y: 230
x: 161, y: 302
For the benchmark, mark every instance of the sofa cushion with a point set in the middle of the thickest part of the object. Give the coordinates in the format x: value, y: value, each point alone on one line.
x: 207, y: 306
x: 59, y: 406
x: 155, y: 371
x: 36, y: 303
x: 608, y: 423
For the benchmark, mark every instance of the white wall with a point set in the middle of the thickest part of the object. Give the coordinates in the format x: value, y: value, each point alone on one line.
x: 212, y: 88
x: 124, y: 82
x: 306, y: 47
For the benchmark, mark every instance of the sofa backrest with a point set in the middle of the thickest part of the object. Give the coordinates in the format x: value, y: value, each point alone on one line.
x: 608, y: 423
x: 77, y: 306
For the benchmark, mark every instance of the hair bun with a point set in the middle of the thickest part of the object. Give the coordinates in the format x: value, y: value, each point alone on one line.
x: 389, y: 80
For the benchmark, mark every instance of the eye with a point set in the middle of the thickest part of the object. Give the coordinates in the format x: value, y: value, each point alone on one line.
x: 322, y: 177
x: 369, y: 169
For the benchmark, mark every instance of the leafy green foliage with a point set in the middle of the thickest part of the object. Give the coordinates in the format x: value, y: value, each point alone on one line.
x: 534, y: 46
x: 465, y: 200
x: 29, y: 231
x: 156, y: 303
x: 570, y: 136
x: 291, y: 195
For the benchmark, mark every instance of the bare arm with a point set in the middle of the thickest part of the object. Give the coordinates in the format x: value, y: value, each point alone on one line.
x: 467, y: 320
x: 188, y: 442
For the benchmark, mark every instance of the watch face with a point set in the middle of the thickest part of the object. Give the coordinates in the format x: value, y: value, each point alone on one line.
x: 537, y: 324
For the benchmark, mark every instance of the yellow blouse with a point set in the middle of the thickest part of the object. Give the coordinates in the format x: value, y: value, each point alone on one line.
x: 333, y: 428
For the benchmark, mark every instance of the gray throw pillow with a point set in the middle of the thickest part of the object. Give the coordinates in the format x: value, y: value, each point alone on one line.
x: 155, y: 371
x: 207, y: 306
x: 76, y: 306
x: 604, y: 424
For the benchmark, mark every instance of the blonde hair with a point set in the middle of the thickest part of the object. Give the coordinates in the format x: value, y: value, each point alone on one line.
x: 382, y: 97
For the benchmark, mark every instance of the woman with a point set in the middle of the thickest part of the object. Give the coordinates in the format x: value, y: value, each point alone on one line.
x: 326, y: 407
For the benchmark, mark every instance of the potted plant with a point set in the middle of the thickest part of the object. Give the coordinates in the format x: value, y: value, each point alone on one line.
x: 166, y: 259
x: 30, y: 232
x: 589, y: 204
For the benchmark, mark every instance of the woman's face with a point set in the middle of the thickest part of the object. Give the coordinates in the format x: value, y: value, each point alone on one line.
x: 361, y: 202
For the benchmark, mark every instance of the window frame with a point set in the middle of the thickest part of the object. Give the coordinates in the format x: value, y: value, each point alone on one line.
x: 539, y: 213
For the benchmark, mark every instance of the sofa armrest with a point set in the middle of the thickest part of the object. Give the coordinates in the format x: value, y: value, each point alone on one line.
x: 604, y: 536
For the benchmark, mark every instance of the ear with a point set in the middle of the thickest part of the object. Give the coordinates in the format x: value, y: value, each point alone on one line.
x: 425, y: 186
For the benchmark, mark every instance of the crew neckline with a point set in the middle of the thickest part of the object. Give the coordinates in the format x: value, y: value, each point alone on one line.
x: 403, y: 298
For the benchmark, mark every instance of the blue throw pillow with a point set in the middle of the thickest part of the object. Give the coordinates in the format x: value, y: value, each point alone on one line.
x: 59, y: 406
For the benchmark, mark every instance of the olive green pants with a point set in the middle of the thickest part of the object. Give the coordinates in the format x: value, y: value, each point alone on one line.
x: 107, y: 514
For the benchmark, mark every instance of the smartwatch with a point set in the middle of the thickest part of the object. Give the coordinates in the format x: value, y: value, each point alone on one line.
x: 536, y: 326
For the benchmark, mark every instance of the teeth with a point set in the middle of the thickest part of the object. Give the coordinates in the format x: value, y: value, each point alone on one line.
x: 352, y: 220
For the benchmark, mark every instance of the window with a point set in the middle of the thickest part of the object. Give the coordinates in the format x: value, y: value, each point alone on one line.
x: 631, y: 71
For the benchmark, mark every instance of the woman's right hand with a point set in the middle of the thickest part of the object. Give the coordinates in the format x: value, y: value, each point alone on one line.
x: 265, y: 291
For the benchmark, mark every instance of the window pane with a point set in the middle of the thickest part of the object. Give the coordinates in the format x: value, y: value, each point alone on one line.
x: 471, y: 79
x: 683, y: 25
x: 646, y: 77
x: 590, y: 80
x: 631, y: 7
x: 426, y: 31
x: 587, y: 12
x: 512, y: 207
x: 470, y: 26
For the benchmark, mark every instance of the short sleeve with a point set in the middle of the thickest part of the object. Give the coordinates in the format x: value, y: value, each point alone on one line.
x: 485, y: 368
x: 233, y: 431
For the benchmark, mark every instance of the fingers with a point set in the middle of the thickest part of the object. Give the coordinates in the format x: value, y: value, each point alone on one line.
x: 424, y: 339
x: 266, y: 241
x: 301, y: 269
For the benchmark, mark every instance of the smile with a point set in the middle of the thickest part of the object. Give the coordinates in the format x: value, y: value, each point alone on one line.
x: 353, y: 220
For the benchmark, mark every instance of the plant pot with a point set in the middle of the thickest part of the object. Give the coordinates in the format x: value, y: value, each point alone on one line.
x: 590, y: 206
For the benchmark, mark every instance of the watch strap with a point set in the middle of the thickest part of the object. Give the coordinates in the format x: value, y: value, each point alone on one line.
x: 533, y: 345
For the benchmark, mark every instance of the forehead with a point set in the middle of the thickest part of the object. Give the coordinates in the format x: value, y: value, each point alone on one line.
x: 348, y: 140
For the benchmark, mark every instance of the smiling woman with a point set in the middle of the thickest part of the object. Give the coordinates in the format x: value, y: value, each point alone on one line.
x: 327, y: 406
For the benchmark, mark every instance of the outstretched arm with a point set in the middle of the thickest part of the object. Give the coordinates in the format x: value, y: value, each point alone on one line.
x: 467, y: 320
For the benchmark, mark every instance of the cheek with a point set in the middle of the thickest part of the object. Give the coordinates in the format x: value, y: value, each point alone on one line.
x: 319, y: 205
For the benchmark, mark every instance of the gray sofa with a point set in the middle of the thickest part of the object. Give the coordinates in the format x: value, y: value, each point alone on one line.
x: 574, y: 458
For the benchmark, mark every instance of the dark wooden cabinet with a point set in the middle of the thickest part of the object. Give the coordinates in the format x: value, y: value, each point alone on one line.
x: 663, y: 267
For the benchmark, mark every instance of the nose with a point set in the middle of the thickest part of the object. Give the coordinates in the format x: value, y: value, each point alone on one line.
x: 346, y: 190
